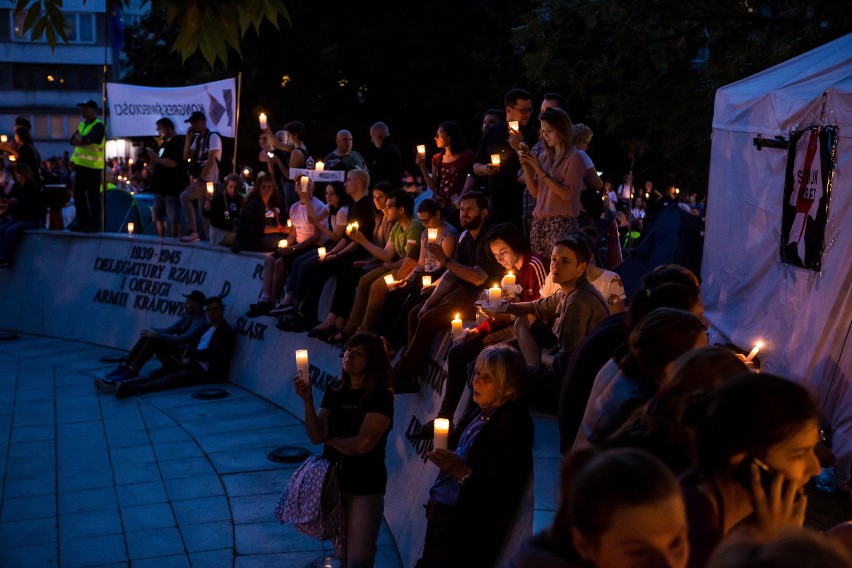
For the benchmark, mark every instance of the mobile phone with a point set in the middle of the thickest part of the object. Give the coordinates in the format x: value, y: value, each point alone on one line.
x: 742, y: 473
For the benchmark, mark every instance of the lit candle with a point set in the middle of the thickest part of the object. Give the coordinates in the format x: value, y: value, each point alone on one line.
x: 302, y: 362
x: 304, y: 182
x: 246, y: 172
x: 4, y: 138
x: 263, y: 121
x: 282, y: 243
x: 12, y: 158
x: 754, y: 351
x: 508, y: 280
x: 320, y: 166
x: 427, y: 281
x: 513, y: 125
x: 421, y: 149
x: 495, y: 159
x: 456, y: 326
x: 210, y: 188
x: 321, y: 253
x: 431, y: 235
x: 495, y: 294
x: 130, y: 227
x: 442, y: 433
x: 130, y: 162
x: 388, y: 279
x: 289, y: 223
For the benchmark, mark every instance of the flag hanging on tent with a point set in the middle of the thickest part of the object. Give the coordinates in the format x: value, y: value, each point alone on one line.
x: 807, y: 192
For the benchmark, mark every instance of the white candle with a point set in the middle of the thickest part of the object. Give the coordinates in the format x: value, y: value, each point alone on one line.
x: 302, y: 362
x: 321, y: 253
x: 754, y: 351
x: 320, y: 166
x: 456, y: 325
x: 210, y: 188
x: 263, y: 121
x: 427, y: 281
x: 421, y: 149
x: 289, y: 223
x: 130, y: 162
x: 304, y: 183
x: 282, y: 243
x: 442, y: 433
x: 431, y: 235
x: 495, y: 294
x: 130, y: 227
x: 508, y: 280
x: 495, y: 159
x: 513, y: 125
x: 4, y: 138
x: 388, y: 279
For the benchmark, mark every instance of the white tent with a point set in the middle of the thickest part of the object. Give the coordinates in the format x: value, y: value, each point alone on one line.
x: 804, y: 317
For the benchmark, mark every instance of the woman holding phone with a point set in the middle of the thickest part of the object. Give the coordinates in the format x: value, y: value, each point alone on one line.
x: 755, y: 454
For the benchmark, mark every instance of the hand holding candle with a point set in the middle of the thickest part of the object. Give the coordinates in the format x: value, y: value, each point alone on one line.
x: 427, y: 281
x: 263, y: 124
x: 495, y: 159
x: 442, y: 433
x: 4, y: 138
x: 421, y: 149
x: 431, y: 235
x: 304, y: 183
x: 302, y: 368
x: 210, y: 188
x: 456, y: 327
x: 388, y: 279
x: 321, y: 253
x: 283, y: 243
x: 513, y: 125
x: 757, y: 347
x: 495, y: 294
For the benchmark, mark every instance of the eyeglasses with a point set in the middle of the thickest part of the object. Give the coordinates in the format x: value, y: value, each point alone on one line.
x: 426, y: 220
x: 527, y: 110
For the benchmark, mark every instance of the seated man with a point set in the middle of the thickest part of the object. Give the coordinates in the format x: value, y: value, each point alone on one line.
x: 343, y: 157
x: 575, y: 309
x: 222, y: 210
x: 207, y: 362
x: 467, y: 271
x: 164, y: 342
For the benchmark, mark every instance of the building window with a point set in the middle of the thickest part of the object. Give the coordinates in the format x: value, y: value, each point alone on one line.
x: 80, y: 28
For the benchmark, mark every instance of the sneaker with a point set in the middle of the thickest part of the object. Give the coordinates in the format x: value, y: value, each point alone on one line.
x: 190, y: 238
x: 104, y: 386
x: 282, y: 309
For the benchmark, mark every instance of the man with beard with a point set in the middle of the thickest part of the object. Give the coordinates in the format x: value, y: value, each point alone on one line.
x: 455, y: 292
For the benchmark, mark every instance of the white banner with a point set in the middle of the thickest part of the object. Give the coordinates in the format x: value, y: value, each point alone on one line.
x: 134, y: 110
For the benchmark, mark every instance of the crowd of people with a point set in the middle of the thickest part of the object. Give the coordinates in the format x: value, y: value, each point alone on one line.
x: 676, y: 453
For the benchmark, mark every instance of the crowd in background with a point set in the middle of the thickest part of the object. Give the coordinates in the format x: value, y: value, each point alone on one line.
x: 677, y: 453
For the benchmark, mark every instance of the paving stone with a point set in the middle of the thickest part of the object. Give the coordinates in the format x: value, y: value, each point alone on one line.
x: 154, y: 543
x: 35, y: 555
x: 29, y: 531
x: 176, y: 561
x: 186, y: 467
x: 87, y: 500
x: 546, y: 491
x: 131, y: 473
x: 43, y: 484
x: 93, y: 523
x: 254, y: 508
x: 208, y: 536
x: 202, y: 510
x: 257, y: 482
x: 22, y: 508
x: 194, y: 487
x: 223, y: 558
x: 144, y: 493
x: 143, y: 517
x: 272, y: 537
x: 96, y: 551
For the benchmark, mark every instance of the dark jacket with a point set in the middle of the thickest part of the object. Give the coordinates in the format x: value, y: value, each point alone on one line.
x: 501, y: 462
x: 218, y: 354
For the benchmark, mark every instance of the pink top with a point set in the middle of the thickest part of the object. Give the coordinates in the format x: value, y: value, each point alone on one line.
x: 569, y: 172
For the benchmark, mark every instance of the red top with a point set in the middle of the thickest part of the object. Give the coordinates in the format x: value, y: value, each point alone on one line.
x: 451, y: 176
x: 530, y: 277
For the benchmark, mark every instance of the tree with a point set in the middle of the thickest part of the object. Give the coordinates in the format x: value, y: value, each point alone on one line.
x: 208, y: 27
x: 645, y: 74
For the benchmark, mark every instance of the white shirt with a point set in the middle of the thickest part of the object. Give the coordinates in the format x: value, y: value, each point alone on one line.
x: 303, y: 228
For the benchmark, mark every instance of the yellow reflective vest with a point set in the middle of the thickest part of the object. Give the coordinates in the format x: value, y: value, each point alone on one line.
x: 91, y: 155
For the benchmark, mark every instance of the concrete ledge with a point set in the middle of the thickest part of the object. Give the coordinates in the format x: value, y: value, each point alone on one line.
x: 103, y: 288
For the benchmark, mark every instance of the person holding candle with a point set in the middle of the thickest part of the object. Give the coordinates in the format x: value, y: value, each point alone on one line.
x: 506, y: 244
x: 398, y: 262
x: 260, y: 227
x: 451, y: 167
x: 302, y: 238
x: 202, y: 148
x: 504, y: 191
x: 467, y: 270
x: 292, y: 154
x: 484, y: 472
x: 385, y: 306
x: 222, y: 209
x: 352, y: 423
x: 555, y: 181
x: 313, y: 273
x: 575, y: 310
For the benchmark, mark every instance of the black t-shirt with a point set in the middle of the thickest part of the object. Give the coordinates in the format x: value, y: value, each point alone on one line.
x: 470, y: 252
x: 505, y: 193
x: 365, y: 474
x: 224, y: 211
x: 364, y: 213
x: 170, y: 181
